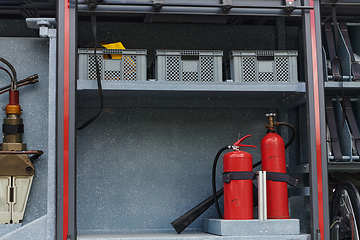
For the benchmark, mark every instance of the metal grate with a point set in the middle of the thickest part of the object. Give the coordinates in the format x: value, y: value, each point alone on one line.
x: 114, y: 64
x: 278, y: 66
x: 190, y: 75
x: 266, y: 75
x: 249, y: 69
x: 282, y: 66
x: 189, y: 52
x: 173, y: 68
x: 188, y: 65
x: 111, y: 72
x: 129, y: 67
x: 207, y: 69
x: 92, y: 66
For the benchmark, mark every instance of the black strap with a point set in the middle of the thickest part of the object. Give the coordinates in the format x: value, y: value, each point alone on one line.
x: 334, y: 59
x: 355, y: 66
x: 334, y: 138
x: 246, y: 175
x: 352, y: 123
x: 13, y: 129
x: 281, y: 177
x: 93, y: 22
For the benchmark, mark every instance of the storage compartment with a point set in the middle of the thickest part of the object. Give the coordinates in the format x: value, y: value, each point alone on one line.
x: 114, y: 64
x: 263, y: 66
x: 345, y: 135
x: 140, y: 168
x: 188, y: 65
x: 155, y: 141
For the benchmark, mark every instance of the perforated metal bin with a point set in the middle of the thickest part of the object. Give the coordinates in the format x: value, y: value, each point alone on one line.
x: 263, y: 66
x: 188, y: 65
x: 131, y: 66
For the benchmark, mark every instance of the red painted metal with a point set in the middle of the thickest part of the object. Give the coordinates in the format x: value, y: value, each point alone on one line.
x: 14, y: 97
x: 315, y: 60
x: 66, y: 120
x: 238, y: 194
x: 273, y: 160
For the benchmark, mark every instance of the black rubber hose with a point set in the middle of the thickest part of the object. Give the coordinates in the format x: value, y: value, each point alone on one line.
x: 293, y: 133
x: 287, y: 144
x: 213, y: 179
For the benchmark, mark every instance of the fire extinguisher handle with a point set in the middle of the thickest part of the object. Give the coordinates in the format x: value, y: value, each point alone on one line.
x: 239, y: 142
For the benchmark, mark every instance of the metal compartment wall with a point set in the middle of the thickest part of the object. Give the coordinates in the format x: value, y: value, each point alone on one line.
x: 31, y: 56
x: 147, y: 159
x: 139, y: 168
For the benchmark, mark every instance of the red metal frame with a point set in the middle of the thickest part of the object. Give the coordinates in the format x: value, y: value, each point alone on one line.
x: 66, y: 120
x: 317, y: 120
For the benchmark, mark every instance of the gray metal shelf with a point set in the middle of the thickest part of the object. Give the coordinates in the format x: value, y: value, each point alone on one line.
x: 212, y: 7
x: 174, y: 90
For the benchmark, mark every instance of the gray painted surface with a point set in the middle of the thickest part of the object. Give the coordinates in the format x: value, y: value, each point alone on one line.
x: 141, y: 168
x: 31, y: 56
x: 252, y: 227
x: 188, y: 236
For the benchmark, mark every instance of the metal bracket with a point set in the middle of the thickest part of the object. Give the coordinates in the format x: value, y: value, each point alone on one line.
x: 46, y: 26
x: 157, y: 5
x: 92, y: 4
x: 289, y: 6
x: 227, y: 5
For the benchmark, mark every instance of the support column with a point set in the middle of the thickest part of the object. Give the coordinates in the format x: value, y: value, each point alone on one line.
x: 316, y: 122
x: 66, y: 144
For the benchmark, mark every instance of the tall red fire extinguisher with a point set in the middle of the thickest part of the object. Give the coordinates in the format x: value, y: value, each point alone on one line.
x: 274, y: 163
x: 238, y: 182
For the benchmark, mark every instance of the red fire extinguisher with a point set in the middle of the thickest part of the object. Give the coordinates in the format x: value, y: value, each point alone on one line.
x: 274, y: 163
x: 238, y: 182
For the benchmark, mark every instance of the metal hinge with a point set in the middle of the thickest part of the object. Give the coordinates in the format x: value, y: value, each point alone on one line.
x: 318, y: 235
x: 92, y: 4
x: 289, y: 6
x: 227, y: 5
x: 157, y: 5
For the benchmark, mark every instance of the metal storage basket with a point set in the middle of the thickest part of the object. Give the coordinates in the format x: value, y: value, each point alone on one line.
x: 131, y: 66
x: 263, y: 66
x: 188, y: 65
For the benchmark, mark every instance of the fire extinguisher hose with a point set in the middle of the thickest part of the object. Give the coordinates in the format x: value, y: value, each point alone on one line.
x: 293, y: 133
x: 213, y: 179
x: 287, y: 144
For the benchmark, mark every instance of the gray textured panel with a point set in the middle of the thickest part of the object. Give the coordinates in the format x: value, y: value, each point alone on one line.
x: 36, y: 230
x: 252, y: 227
x: 9, y: 228
x: 188, y: 236
x: 138, y: 169
x: 30, y: 56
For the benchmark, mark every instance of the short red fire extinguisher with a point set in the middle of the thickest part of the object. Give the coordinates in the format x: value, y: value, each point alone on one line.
x: 238, y: 182
x: 274, y: 163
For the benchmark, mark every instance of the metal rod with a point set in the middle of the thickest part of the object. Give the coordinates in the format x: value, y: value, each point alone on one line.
x: 186, y: 10
x: 330, y: 77
x: 262, y: 206
x: 82, y: 2
x: 341, y: 4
